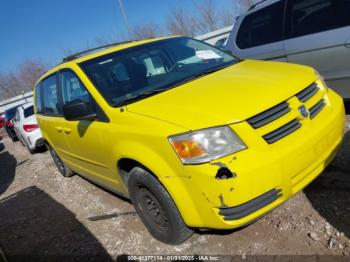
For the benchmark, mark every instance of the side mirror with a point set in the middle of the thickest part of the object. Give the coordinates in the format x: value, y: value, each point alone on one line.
x: 77, y: 110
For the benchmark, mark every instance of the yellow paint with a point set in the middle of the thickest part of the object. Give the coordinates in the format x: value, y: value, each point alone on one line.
x: 227, y: 97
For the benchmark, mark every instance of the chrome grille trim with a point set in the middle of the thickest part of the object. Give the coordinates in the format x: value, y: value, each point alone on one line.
x: 269, y: 115
x: 308, y: 92
x: 317, y: 108
x: 282, y: 131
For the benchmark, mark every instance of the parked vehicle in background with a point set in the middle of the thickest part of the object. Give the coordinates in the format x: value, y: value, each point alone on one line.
x: 9, y: 115
x: 221, y: 43
x: 216, y: 38
x: 309, y: 32
x: 26, y: 127
x: 2, y: 120
x: 195, y: 137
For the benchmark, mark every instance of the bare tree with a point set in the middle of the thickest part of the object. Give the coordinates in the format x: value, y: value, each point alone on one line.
x: 21, y: 80
x: 148, y: 30
x: 242, y: 6
x: 29, y: 72
x: 208, y: 18
x: 228, y: 17
x: 9, y: 86
x: 247, y: 3
x: 182, y: 23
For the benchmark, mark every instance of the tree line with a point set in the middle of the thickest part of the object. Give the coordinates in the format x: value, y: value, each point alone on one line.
x: 22, y: 79
x: 207, y: 17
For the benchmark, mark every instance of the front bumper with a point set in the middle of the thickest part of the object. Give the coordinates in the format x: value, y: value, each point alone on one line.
x: 284, y: 168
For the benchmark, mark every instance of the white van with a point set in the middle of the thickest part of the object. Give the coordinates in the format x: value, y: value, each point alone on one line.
x: 309, y: 32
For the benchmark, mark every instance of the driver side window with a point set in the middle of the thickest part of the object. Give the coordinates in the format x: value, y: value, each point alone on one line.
x: 73, y: 89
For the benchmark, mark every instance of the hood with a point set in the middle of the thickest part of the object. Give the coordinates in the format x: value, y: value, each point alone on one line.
x: 227, y: 96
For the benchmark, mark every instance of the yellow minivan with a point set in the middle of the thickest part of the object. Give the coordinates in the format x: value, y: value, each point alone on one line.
x: 194, y: 136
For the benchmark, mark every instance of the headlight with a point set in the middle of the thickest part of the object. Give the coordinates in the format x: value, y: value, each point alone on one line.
x: 321, y: 80
x: 206, y: 144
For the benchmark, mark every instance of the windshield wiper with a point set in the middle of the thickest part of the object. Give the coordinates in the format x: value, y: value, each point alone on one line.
x: 139, y: 97
x: 212, y: 70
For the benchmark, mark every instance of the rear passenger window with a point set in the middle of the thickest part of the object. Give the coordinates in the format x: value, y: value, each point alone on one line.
x: 29, y: 111
x: 38, y: 98
x: 51, y: 104
x: 262, y: 27
x: 306, y: 17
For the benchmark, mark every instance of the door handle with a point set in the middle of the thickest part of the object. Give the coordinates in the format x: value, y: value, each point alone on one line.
x: 59, y: 129
x: 67, y: 130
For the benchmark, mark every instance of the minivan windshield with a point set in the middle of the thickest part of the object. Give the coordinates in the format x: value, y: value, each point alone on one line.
x: 135, y: 73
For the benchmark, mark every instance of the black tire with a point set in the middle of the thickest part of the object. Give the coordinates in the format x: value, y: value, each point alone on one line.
x: 62, y: 168
x: 156, y: 209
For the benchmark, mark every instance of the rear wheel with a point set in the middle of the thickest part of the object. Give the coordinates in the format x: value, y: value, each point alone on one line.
x: 156, y: 208
x: 64, y: 170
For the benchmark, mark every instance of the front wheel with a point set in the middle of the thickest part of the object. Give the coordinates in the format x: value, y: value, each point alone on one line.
x: 64, y: 170
x: 156, y: 208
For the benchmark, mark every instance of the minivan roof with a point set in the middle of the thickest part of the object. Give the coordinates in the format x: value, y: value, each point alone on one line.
x: 113, y: 48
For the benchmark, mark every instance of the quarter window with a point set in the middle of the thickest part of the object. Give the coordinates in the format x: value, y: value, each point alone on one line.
x: 50, y: 95
x: 29, y: 111
x: 262, y: 27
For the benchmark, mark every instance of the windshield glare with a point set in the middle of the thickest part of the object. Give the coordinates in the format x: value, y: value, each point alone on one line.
x: 125, y: 74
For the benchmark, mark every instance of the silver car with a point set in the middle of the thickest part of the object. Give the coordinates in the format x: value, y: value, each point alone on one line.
x: 309, y: 32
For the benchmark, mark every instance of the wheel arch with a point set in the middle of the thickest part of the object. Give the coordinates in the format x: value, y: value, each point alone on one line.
x: 171, y: 177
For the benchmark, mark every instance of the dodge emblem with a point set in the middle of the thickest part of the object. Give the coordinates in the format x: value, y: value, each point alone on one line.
x: 303, y: 111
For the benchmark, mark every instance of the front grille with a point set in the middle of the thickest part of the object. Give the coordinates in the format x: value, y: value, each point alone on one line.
x: 317, y: 108
x: 284, y: 119
x: 308, y: 92
x: 269, y: 115
x: 282, y: 131
x: 237, y: 212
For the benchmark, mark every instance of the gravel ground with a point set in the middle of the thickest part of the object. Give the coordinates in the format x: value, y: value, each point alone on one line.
x: 42, y: 213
